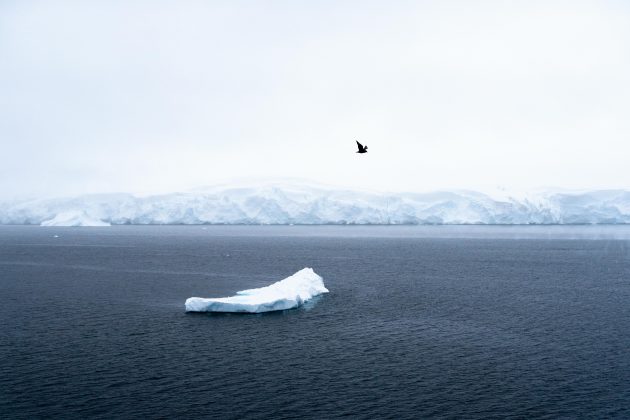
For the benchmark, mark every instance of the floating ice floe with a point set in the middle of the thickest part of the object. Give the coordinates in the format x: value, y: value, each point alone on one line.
x: 284, y: 294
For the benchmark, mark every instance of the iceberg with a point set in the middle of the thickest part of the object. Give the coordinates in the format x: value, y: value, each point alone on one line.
x: 284, y: 294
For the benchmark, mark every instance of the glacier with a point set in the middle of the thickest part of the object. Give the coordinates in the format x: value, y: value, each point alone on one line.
x: 74, y: 218
x: 313, y: 205
x: 289, y: 293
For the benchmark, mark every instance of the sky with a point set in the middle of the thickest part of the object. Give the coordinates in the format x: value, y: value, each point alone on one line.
x: 162, y: 96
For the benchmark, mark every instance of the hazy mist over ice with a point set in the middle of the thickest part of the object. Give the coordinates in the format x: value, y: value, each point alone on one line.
x: 156, y: 97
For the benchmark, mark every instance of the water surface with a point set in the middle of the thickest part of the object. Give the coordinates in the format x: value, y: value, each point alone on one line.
x: 420, y: 321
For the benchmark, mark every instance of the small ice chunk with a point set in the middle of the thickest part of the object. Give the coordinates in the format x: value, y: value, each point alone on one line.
x: 284, y: 294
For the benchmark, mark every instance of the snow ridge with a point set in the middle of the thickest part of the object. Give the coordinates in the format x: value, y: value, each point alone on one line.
x: 298, y: 204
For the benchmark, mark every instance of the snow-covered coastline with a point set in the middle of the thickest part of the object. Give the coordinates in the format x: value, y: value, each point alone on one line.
x: 74, y: 218
x: 298, y: 204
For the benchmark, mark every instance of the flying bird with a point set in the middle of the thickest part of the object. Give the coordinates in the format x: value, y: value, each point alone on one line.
x: 362, y: 148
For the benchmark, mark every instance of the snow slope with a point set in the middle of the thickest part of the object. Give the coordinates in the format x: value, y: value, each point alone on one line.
x: 74, y: 218
x: 284, y: 294
x: 301, y: 204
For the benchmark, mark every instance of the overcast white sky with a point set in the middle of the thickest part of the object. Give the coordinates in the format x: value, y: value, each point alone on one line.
x: 157, y: 96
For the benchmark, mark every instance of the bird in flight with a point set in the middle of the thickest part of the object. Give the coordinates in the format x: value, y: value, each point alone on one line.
x: 362, y: 148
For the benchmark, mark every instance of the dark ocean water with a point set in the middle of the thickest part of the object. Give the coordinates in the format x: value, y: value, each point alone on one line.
x: 420, y: 322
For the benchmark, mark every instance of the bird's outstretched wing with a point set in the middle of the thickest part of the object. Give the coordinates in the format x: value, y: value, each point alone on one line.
x: 360, y: 145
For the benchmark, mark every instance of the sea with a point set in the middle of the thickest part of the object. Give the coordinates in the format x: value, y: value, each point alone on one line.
x: 421, y: 322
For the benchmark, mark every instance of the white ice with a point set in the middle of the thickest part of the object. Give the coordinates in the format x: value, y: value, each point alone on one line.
x: 74, y: 218
x: 284, y: 294
x: 304, y: 204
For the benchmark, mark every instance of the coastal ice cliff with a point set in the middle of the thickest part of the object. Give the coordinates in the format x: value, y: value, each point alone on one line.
x: 73, y: 218
x: 301, y: 204
x: 284, y: 294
